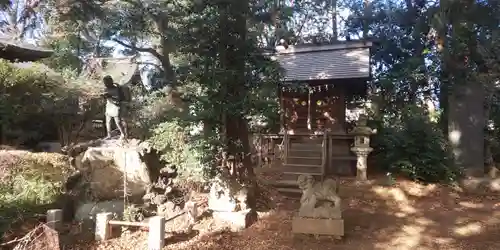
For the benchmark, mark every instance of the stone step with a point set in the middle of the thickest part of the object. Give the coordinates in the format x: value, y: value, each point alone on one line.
x: 289, y: 190
x: 305, y: 153
x: 305, y: 149
x: 285, y: 183
x: 305, y: 169
x: 292, y: 175
x: 304, y: 160
x: 306, y: 146
x: 302, y: 165
x: 299, y: 173
x: 312, y: 139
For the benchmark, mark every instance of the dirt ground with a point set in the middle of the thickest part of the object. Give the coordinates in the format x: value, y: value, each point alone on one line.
x: 400, y: 217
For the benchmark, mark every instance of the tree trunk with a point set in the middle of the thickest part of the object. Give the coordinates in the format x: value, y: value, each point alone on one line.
x: 233, y: 58
x: 333, y: 5
x: 366, y: 16
x: 466, y: 99
x: 166, y: 48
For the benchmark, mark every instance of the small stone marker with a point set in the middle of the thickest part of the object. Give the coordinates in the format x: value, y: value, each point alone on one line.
x: 192, y: 210
x: 102, y: 226
x: 236, y: 221
x: 228, y: 200
x: 156, y: 237
x: 54, y: 219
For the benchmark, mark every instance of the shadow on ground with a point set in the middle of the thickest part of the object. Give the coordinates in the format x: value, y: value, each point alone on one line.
x: 401, y: 217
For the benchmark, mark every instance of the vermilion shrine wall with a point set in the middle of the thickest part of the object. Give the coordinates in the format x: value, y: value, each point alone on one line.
x: 323, y: 104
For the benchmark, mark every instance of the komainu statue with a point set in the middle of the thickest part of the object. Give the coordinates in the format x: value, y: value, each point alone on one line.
x: 319, y: 199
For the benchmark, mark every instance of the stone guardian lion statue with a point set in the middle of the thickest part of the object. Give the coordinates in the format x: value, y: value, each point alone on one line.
x: 319, y: 199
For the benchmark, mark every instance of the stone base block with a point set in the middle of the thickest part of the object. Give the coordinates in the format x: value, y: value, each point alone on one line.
x: 303, y: 225
x: 236, y: 221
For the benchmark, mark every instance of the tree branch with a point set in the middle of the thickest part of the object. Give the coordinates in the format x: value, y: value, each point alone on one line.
x: 135, y: 48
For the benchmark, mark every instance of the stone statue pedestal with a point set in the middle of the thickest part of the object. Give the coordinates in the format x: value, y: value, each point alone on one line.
x: 235, y: 220
x: 228, y: 202
x: 320, y: 226
x: 361, y: 162
x: 320, y: 208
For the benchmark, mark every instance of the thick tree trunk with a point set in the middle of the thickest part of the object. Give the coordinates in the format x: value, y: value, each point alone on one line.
x: 233, y: 58
x: 166, y: 48
x: 333, y: 5
x: 466, y: 126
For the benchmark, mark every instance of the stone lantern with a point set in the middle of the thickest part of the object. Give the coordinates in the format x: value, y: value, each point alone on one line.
x: 362, y: 146
x: 362, y: 140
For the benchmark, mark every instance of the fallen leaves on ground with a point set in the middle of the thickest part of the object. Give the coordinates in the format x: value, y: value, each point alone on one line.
x: 399, y: 217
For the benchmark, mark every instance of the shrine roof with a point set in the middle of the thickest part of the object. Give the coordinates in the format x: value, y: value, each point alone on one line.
x: 13, y: 50
x: 333, y: 61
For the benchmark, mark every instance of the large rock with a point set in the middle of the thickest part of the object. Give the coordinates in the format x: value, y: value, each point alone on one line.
x: 104, y: 165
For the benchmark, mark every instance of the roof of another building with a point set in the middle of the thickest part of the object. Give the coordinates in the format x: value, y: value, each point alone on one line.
x: 13, y: 50
x: 122, y: 70
x: 335, y: 61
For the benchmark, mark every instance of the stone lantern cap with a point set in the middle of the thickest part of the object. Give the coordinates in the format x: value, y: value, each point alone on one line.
x: 362, y: 128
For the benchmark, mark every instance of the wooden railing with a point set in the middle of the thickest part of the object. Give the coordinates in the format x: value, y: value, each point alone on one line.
x: 324, y: 154
x: 324, y: 149
x: 267, y: 149
x: 286, y: 147
x: 274, y: 149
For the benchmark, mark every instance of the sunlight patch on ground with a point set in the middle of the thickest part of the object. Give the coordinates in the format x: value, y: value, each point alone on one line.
x: 397, y: 195
x: 392, y: 193
x: 468, y: 204
x: 408, y: 238
x: 400, y: 214
x: 493, y: 220
x: 420, y: 190
x: 424, y: 221
x: 466, y: 227
x: 469, y: 229
x: 414, y: 235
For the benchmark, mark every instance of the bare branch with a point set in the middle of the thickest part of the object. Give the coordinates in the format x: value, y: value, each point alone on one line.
x: 132, y: 47
x: 150, y: 64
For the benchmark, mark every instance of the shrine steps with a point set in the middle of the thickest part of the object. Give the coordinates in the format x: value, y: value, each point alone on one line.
x: 305, y: 156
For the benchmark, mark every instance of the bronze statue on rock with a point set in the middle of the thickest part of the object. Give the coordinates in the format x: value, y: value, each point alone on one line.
x: 115, y: 107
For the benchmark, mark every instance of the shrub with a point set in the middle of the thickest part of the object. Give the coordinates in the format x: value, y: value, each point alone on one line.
x: 413, y: 146
x: 29, y: 183
x: 33, y: 92
x: 173, y: 138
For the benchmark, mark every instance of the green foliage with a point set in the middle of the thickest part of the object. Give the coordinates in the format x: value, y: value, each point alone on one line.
x: 33, y: 92
x: 65, y: 56
x: 26, y: 94
x: 415, y: 147
x: 29, y: 183
x: 181, y: 149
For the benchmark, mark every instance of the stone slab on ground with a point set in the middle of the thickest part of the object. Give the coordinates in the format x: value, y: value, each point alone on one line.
x: 236, y: 221
x: 89, y: 211
x: 303, y: 225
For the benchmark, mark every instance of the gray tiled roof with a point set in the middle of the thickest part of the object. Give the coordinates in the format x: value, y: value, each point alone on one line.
x: 12, y: 49
x: 325, y: 62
